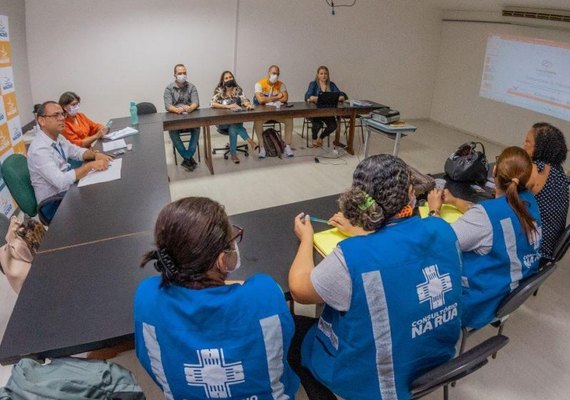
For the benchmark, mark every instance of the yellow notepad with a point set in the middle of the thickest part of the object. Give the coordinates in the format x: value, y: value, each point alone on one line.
x: 448, y: 212
x: 325, y: 241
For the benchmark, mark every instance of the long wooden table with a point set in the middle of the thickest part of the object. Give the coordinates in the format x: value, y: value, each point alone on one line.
x: 206, y: 117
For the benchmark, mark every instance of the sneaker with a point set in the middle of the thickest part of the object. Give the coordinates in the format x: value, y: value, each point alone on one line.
x: 188, y: 165
x: 288, y: 152
x: 193, y: 163
x: 261, y: 152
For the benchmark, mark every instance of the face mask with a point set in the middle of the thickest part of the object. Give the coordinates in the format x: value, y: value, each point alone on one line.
x: 231, y: 83
x: 73, y: 110
x: 181, y: 78
x: 273, y: 78
x: 238, y: 262
x: 413, y: 201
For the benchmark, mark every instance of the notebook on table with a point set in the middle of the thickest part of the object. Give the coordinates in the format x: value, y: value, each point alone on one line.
x: 325, y: 241
x: 328, y: 99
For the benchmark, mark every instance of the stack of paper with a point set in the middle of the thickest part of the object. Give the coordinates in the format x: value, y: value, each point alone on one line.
x: 448, y: 212
x: 128, y: 131
x: 325, y: 241
x: 117, y: 144
x: 110, y: 174
x: 360, y: 103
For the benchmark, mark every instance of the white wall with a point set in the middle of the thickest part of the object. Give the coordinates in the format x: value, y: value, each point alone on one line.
x: 111, y: 52
x: 15, y: 10
x: 456, y: 100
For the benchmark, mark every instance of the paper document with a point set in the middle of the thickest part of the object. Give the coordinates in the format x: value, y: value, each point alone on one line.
x: 360, y: 103
x: 276, y: 104
x: 114, y: 145
x: 112, y: 173
x: 325, y: 241
x: 128, y: 131
x: 448, y: 212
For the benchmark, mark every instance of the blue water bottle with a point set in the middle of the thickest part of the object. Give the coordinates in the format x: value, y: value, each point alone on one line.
x: 134, y: 114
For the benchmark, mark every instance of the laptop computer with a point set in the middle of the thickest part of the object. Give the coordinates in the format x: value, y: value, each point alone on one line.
x: 328, y: 99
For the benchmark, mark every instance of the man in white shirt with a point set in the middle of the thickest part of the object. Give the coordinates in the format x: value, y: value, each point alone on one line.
x: 48, y: 156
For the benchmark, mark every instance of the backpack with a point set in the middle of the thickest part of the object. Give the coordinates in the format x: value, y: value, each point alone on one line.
x: 274, y: 145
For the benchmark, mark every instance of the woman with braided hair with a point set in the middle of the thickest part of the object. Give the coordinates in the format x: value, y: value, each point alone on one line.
x: 197, y: 336
x: 391, y: 292
x: 500, y: 238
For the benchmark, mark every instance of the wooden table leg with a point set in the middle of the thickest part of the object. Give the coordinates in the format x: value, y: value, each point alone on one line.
x: 208, y: 148
x: 350, y: 140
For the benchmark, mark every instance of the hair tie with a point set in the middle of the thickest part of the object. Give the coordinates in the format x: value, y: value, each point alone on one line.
x: 367, y: 202
x: 164, y: 263
x: 515, y: 180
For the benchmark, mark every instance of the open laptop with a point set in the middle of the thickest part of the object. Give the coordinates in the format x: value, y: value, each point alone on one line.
x: 328, y: 99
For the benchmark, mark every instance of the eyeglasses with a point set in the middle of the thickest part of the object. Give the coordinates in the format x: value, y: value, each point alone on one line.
x: 238, y: 234
x: 59, y: 115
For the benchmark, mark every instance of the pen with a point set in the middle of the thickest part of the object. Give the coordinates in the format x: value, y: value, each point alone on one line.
x: 322, y: 221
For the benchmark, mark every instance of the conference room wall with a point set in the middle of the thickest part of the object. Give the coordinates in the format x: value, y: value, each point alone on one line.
x: 15, y: 11
x: 113, y: 51
x: 456, y: 100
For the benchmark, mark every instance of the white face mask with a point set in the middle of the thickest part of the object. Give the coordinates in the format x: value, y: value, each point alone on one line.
x: 273, y: 78
x: 73, y: 110
x: 238, y: 262
x: 181, y: 78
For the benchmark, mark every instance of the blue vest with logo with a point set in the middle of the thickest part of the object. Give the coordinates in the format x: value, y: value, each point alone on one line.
x: 487, y: 279
x: 222, y: 342
x: 404, y: 316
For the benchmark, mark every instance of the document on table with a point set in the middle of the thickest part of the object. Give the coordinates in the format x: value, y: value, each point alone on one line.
x: 114, y: 145
x: 110, y: 174
x: 325, y: 242
x: 128, y: 131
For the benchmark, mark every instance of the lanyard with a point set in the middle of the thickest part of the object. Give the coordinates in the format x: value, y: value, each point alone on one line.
x: 59, y: 150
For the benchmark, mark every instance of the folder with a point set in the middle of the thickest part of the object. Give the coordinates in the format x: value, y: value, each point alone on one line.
x: 325, y: 241
x: 448, y: 212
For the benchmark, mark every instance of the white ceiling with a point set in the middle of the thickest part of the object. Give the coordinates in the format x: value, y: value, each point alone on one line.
x: 495, y: 5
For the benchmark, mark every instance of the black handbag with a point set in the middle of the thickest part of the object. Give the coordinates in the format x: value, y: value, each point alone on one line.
x: 467, y: 164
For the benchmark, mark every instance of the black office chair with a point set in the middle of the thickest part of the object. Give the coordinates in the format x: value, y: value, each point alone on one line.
x: 457, y: 368
x: 269, y: 123
x: 242, y: 148
x: 308, y: 124
x: 513, y: 301
x: 145, y: 108
x: 562, y: 244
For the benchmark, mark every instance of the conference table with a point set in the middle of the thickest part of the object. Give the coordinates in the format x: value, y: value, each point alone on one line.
x: 206, y: 117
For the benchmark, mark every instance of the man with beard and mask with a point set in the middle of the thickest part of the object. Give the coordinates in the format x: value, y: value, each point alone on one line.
x: 199, y: 336
x: 229, y: 95
x: 268, y: 90
x: 79, y: 129
x: 181, y: 97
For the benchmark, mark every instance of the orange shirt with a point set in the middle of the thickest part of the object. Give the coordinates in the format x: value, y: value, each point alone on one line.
x: 78, y: 128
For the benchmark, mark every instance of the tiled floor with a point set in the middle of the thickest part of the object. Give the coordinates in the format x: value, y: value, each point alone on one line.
x: 535, y: 364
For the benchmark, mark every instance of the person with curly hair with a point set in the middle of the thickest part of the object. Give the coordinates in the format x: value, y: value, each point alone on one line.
x: 500, y: 238
x: 546, y: 145
x: 197, y: 335
x: 392, y: 291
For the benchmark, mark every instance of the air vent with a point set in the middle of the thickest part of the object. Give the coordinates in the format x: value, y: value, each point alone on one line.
x: 537, y: 14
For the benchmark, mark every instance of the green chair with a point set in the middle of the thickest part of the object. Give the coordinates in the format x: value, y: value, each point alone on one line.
x: 17, y: 177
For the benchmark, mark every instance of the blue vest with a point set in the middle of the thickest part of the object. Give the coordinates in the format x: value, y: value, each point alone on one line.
x: 222, y: 342
x: 404, y: 313
x: 487, y: 279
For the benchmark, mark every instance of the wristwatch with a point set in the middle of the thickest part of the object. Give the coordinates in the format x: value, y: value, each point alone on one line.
x: 433, y: 212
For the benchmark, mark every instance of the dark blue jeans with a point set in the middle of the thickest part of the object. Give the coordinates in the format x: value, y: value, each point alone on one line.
x: 186, y: 153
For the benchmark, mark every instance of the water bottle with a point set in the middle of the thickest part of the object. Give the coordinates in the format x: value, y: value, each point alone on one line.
x: 134, y: 114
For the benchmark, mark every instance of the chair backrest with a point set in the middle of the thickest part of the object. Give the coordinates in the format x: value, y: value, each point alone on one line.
x: 17, y: 177
x: 562, y: 244
x: 145, y: 108
x: 458, y: 367
x: 223, y: 129
x: 525, y: 289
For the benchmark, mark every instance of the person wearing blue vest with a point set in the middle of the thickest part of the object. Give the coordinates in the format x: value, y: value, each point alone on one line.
x: 392, y: 292
x: 198, y: 336
x: 500, y: 238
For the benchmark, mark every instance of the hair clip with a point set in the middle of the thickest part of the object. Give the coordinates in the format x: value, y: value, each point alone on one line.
x: 165, y: 261
x: 367, y: 202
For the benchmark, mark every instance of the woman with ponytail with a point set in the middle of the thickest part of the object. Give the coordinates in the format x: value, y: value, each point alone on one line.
x: 500, y: 238
x: 392, y: 291
x: 198, y: 337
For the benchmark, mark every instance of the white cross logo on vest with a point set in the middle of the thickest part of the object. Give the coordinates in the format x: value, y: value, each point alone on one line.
x: 434, y: 288
x: 214, y: 374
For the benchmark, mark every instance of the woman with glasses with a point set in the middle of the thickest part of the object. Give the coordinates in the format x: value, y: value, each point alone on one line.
x: 500, y: 238
x: 198, y: 336
x: 228, y: 95
x: 392, y: 291
x: 79, y: 129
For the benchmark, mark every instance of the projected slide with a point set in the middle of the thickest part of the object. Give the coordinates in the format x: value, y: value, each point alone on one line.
x: 529, y: 73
